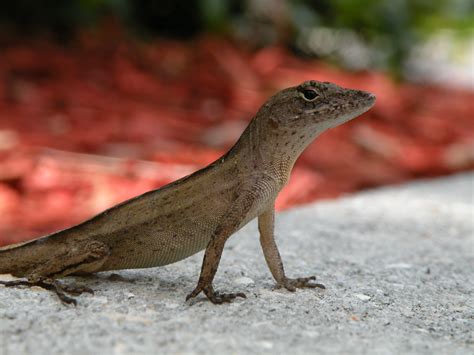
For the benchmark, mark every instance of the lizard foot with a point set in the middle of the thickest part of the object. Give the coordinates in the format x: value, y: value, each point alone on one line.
x: 300, y: 282
x: 77, y: 290
x: 213, y: 296
x: 219, y: 298
x: 51, y: 285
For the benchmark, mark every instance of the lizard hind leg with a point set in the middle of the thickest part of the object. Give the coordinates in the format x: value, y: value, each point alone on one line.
x: 52, y: 285
x: 87, y: 258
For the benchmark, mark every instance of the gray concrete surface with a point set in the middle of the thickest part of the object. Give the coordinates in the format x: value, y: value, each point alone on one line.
x: 397, y: 263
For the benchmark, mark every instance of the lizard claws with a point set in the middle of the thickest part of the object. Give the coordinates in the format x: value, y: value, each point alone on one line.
x: 300, y: 282
x: 213, y: 296
x: 76, y: 290
x: 193, y: 294
x: 219, y: 298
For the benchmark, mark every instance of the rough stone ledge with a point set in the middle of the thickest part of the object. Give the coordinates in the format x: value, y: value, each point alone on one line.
x: 397, y: 263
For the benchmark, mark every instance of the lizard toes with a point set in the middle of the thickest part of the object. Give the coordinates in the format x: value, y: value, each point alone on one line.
x: 214, y: 296
x: 217, y: 298
x: 300, y: 282
x: 194, y: 293
x: 66, y: 299
x: 289, y: 287
x: 47, y: 285
x: 77, y: 290
x: 306, y: 282
x: 14, y: 283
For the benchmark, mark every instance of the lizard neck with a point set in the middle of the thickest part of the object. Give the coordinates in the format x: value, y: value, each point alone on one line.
x: 269, y: 150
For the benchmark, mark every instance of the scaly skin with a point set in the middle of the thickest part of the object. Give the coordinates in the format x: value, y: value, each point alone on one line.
x: 200, y: 211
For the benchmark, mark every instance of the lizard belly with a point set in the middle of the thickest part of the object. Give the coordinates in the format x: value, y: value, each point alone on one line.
x: 167, y: 236
x: 150, y: 247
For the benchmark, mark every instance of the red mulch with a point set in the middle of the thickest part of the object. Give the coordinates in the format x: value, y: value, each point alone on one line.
x: 86, y: 126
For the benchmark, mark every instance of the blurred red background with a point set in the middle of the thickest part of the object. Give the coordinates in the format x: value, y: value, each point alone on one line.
x: 85, y: 126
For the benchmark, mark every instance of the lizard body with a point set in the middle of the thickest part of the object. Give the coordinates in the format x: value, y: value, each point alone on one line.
x: 200, y: 211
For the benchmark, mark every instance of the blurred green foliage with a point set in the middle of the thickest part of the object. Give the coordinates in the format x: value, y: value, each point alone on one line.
x: 391, y: 27
x: 394, y: 26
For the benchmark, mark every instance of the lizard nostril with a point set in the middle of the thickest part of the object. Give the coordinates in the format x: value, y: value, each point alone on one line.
x: 367, y: 96
x: 371, y: 97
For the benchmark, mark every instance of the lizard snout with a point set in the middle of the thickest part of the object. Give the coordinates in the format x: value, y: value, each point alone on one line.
x: 367, y: 97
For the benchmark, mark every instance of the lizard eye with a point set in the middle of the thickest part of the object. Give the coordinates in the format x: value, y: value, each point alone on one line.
x: 309, y: 95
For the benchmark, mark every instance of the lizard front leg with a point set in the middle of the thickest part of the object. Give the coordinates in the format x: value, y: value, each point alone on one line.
x: 214, y: 249
x: 266, y: 223
x: 210, y: 263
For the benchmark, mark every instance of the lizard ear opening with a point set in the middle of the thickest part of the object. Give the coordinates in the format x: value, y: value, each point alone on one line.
x: 273, y: 122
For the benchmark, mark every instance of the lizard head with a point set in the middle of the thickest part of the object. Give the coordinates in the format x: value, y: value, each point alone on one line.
x: 316, y: 106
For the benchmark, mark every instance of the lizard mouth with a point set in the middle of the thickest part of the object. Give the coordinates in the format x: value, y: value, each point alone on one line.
x: 356, y: 103
x: 357, y: 100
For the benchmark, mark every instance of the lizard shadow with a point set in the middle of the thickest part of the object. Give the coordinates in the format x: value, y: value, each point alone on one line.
x: 134, y: 278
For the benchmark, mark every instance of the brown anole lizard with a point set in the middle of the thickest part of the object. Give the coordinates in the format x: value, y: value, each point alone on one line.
x: 199, y: 211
